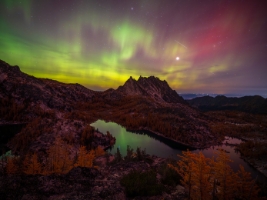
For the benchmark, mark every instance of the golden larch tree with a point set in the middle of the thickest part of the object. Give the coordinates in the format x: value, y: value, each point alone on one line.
x: 205, y: 178
x: 11, y: 166
x: 59, y: 160
x: 85, y: 158
x: 185, y: 170
x: 99, y: 151
x: 31, y: 165
x: 225, y: 176
x: 201, y: 173
x: 247, y: 188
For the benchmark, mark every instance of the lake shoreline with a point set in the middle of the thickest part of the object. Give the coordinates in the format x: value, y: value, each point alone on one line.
x: 192, y: 147
x: 228, y: 141
x: 258, y: 165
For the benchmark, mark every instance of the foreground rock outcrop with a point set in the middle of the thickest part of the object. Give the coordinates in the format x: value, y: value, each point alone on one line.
x: 83, y: 183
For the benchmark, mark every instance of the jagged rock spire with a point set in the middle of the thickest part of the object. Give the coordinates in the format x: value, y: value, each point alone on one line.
x: 150, y: 86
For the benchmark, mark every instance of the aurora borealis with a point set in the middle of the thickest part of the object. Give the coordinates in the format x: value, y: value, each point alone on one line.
x: 221, y: 45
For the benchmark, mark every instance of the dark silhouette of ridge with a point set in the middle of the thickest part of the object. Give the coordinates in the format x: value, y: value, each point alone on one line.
x: 251, y: 104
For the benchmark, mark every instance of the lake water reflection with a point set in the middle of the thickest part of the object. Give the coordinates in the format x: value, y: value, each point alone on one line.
x: 165, y: 148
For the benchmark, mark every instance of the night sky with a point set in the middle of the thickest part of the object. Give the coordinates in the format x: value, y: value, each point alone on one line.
x: 196, y: 46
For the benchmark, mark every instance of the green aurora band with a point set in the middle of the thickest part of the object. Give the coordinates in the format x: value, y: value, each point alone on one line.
x: 102, y: 49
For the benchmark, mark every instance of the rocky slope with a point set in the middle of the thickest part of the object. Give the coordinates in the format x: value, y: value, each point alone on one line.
x: 150, y: 104
x: 143, y: 104
x: 43, y: 105
x: 31, y: 91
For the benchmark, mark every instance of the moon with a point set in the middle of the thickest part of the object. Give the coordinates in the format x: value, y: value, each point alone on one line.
x: 177, y: 58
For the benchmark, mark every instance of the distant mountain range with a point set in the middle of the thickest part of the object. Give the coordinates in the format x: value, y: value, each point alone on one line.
x: 189, y: 96
x: 251, y: 104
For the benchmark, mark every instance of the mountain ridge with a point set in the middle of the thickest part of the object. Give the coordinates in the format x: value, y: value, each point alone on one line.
x: 150, y: 87
x: 251, y: 104
x: 23, y: 87
x: 143, y: 104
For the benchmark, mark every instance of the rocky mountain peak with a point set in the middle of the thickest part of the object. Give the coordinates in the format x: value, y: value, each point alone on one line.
x: 130, y: 80
x: 151, y: 86
x: 131, y: 87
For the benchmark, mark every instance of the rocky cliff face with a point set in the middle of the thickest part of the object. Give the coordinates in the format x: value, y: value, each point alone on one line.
x: 150, y: 87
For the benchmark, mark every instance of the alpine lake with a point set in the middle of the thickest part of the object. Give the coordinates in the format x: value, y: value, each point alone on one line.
x: 163, y: 147
x: 151, y: 143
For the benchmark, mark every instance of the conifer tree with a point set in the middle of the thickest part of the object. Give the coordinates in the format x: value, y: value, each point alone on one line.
x: 25, y: 163
x: 99, y: 151
x: 58, y: 160
x: 31, y: 164
x: 118, y: 156
x: 11, y: 166
x: 85, y: 158
x: 185, y: 170
x: 206, y: 178
x: 201, y: 177
x: 225, y: 176
x: 81, y: 160
x: 247, y: 188
x: 139, y: 154
x: 129, y: 153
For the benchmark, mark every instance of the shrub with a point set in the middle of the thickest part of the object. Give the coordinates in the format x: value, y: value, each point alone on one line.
x: 169, y: 176
x: 138, y: 183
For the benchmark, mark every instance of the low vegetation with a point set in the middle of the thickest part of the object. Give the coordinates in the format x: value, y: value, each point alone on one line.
x: 138, y: 183
x: 202, y: 178
x: 252, y: 149
x: 169, y: 175
x: 59, y: 159
x: 239, y: 124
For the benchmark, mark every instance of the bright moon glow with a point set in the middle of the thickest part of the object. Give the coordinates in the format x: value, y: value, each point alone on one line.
x: 177, y: 58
